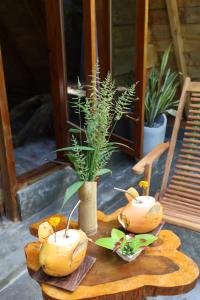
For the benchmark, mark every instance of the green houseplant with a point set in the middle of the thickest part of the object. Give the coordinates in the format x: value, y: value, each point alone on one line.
x: 127, y: 246
x: 91, y: 146
x: 159, y: 101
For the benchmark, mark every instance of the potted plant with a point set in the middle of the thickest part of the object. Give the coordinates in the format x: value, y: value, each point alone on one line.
x: 127, y: 246
x: 91, y: 146
x: 159, y: 101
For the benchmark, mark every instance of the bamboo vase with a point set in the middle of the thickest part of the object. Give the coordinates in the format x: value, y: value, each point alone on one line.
x: 88, y: 208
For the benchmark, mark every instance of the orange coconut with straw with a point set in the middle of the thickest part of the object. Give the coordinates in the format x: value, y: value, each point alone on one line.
x: 142, y: 214
x: 63, y: 255
x: 62, y: 252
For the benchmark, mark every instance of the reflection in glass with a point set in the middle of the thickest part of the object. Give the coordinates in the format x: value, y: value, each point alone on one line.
x: 23, y: 38
x: 123, y: 53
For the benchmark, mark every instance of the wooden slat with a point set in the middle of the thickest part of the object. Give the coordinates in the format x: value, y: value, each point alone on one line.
x: 184, y: 173
x: 193, y: 123
x: 169, y: 202
x: 195, y: 100
x: 188, y: 162
x: 186, y: 178
x: 182, y: 215
x: 195, y: 105
x: 195, y: 95
x: 179, y: 193
x: 191, y: 134
x: 190, y: 152
x: 177, y: 122
x: 180, y: 200
x: 193, y: 117
x: 180, y: 208
x: 194, y: 112
x: 194, y: 87
x: 194, y: 141
x: 189, y: 146
x: 187, y: 184
x: 188, y: 168
x: 184, y: 189
x: 179, y: 219
x: 191, y: 157
x: 195, y: 129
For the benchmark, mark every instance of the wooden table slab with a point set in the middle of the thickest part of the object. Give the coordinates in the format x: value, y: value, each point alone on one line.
x: 161, y: 270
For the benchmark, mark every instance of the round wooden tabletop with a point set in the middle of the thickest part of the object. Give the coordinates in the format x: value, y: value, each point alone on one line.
x: 161, y: 270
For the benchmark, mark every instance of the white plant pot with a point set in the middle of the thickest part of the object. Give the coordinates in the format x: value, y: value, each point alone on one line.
x: 154, y: 135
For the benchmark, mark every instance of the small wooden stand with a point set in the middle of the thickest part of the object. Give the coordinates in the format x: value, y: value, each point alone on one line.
x: 160, y: 270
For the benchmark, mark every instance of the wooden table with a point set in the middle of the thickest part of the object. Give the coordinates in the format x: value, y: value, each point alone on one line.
x: 161, y: 270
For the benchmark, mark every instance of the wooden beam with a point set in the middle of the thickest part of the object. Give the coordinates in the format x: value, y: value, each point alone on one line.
x: 56, y: 41
x: 104, y: 41
x: 140, y: 71
x: 174, y: 21
x: 7, y: 160
x: 90, y: 41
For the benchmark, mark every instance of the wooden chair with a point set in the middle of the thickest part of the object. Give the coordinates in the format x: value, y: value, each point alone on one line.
x: 180, y: 196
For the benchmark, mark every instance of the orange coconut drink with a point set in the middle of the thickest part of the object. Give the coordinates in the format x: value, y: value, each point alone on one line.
x: 142, y: 214
x: 62, y: 252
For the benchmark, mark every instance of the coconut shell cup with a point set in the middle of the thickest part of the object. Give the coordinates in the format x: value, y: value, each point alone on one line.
x: 60, y: 256
x: 141, y: 215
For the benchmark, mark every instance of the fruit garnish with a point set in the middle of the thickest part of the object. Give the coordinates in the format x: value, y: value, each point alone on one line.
x: 54, y: 221
x: 44, y: 231
x: 143, y: 184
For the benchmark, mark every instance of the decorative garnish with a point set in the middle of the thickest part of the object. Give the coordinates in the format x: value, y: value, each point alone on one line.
x: 54, y: 222
x: 44, y: 231
x: 126, y: 244
x: 143, y: 184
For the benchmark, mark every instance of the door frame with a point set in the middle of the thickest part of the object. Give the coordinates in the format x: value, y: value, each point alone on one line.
x: 11, y: 183
x: 104, y: 29
x: 92, y: 13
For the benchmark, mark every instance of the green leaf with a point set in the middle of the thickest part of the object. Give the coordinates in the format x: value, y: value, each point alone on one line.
x: 172, y: 112
x: 74, y: 130
x: 103, y: 171
x: 71, y: 190
x: 117, y: 234
x: 107, y: 243
x: 148, y: 239
x: 81, y: 148
x: 71, y: 157
x: 142, y: 240
x: 121, y: 144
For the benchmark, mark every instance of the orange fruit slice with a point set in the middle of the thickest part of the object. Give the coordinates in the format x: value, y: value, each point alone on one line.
x: 44, y: 231
x: 131, y: 194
